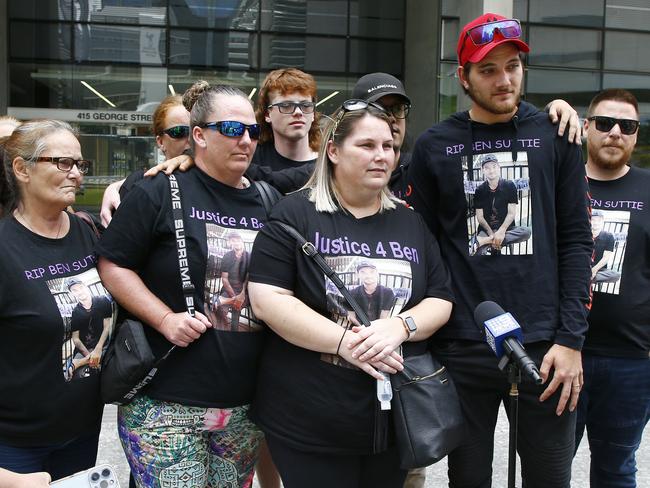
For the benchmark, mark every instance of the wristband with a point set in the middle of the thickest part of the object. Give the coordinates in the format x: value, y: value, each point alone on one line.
x: 163, y: 319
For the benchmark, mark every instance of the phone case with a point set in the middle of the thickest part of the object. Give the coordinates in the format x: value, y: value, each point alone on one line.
x: 101, y: 476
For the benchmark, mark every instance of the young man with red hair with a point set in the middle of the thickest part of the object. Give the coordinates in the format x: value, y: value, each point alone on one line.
x: 286, y: 112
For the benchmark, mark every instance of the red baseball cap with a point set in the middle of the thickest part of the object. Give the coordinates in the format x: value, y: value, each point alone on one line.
x: 491, y: 37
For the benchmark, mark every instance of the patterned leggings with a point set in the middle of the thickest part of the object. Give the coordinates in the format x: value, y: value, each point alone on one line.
x: 173, y: 445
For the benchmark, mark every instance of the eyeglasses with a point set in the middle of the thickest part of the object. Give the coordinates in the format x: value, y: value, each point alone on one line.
x: 484, y: 33
x: 177, y: 132
x: 232, y: 128
x: 290, y: 107
x: 605, y: 124
x: 66, y: 164
x: 398, y: 110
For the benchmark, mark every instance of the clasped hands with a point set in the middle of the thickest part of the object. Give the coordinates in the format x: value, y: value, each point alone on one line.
x: 373, y: 349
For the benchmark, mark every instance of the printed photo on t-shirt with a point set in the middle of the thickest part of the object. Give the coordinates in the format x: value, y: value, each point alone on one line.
x: 499, y: 216
x: 88, y: 312
x: 609, y: 229
x: 381, y: 287
x: 226, y: 277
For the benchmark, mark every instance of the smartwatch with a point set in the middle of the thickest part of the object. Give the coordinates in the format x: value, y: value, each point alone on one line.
x: 409, y: 325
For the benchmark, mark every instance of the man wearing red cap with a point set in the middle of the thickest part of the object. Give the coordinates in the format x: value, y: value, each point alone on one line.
x: 543, y: 281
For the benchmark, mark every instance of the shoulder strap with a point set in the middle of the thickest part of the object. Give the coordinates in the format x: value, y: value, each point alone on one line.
x: 310, y: 250
x: 88, y: 219
x: 181, y: 253
x: 269, y: 195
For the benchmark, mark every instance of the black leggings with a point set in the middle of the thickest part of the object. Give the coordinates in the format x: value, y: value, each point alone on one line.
x: 317, y: 470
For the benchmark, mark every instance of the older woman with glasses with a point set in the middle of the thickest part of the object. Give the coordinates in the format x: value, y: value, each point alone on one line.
x: 50, y: 413
x: 191, y: 423
x: 316, y: 395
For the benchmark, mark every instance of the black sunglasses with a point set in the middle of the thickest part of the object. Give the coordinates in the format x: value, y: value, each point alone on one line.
x: 232, y: 128
x: 177, y: 132
x: 605, y: 124
x: 290, y: 107
x: 66, y: 164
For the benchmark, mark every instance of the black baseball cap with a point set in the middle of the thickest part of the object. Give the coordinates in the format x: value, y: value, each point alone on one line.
x: 375, y: 85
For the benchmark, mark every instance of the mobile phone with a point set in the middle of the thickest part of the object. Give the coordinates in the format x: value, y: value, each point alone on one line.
x: 101, y: 476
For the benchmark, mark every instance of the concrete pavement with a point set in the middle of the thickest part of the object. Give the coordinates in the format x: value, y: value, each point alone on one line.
x: 110, y: 451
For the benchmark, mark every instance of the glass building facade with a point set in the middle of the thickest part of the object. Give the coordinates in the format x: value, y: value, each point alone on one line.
x: 105, y: 64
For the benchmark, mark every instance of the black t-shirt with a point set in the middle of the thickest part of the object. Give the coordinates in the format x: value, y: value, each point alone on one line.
x: 130, y: 181
x: 236, y: 269
x: 604, y: 241
x: 382, y: 299
x: 218, y: 369
x: 494, y: 203
x: 311, y: 400
x: 48, y: 396
x: 267, y: 155
x: 90, y: 323
x: 398, y: 183
x: 619, y: 321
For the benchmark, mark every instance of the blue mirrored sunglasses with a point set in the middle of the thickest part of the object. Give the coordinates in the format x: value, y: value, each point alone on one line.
x: 232, y: 128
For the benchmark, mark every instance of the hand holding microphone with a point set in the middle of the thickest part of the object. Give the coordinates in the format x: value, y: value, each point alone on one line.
x: 504, y: 336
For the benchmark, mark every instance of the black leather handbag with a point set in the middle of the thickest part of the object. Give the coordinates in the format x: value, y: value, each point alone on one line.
x: 426, y: 412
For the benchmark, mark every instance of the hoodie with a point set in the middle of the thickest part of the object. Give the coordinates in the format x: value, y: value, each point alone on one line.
x: 542, y: 277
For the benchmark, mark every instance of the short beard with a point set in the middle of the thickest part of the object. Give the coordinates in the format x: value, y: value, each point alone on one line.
x: 497, y: 109
x: 609, y: 164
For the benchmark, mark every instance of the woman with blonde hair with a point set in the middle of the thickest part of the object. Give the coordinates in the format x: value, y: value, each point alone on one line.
x: 316, y: 393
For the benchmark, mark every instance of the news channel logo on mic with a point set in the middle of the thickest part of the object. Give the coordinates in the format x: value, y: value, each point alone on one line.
x: 501, y: 326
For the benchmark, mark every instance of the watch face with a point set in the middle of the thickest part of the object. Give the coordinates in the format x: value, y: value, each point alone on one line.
x: 410, y: 323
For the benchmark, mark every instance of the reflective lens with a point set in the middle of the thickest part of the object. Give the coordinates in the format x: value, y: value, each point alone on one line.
x: 484, y: 33
x: 66, y: 164
x: 605, y: 124
x: 357, y: 104
x: 290, y: 107
x: 178, y: 132
x: 232, y: 128
x: 352, y: 105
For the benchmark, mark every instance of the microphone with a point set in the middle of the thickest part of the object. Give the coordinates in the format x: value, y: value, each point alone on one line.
x: 504, y: 336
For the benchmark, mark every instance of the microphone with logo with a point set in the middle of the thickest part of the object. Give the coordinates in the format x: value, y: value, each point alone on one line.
x: 504, y: 336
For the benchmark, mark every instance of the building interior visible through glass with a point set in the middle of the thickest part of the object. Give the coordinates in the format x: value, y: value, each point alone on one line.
x: 104, y: 65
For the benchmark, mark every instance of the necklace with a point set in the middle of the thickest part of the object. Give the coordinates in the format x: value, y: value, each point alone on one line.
x: 23, y: 220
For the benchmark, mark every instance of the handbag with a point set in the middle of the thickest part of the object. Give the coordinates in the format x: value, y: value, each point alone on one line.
x: 427, y: 416
x: 428, y: 419
x: 129, y: 364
